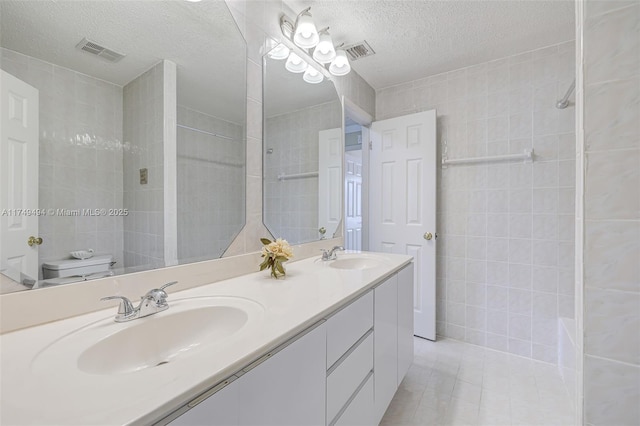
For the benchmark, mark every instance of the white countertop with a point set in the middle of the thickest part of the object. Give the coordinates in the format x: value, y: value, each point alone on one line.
x: 59, y: 393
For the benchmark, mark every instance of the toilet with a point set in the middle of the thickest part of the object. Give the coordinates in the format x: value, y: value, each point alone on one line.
x: 73, y: 270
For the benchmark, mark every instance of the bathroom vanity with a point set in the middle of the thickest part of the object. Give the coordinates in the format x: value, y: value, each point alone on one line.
x: 328, y: 345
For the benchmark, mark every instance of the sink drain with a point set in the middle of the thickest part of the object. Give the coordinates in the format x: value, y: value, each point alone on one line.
x: 162, y: 363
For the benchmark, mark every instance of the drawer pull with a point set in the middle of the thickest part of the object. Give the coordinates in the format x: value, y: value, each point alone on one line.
x: 210, y: 392
x: 257, y: 362
x: 349, y: 352
x: 351, y: 398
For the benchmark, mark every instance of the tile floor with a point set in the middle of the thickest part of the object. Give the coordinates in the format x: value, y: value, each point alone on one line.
x: 455, y: 383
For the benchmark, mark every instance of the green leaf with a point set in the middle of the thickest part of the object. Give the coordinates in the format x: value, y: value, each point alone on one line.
x: 265, y: 264
x: 281, y: 259
x: 265, y: 241
x: 280, y: 268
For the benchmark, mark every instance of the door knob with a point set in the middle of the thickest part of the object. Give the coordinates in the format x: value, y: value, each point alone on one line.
x: 34, y: 241
x: 427, y: 236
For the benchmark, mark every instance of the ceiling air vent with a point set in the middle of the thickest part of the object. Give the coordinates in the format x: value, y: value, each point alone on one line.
x: 95, y: 49
x: 359, y: 50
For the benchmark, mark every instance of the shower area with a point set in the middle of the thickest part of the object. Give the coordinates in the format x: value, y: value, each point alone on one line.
x: 506, y: 218
x: 191, y: 204
x: 210, y: 179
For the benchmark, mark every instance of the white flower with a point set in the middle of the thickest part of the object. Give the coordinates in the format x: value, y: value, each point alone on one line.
x: 278, y: 248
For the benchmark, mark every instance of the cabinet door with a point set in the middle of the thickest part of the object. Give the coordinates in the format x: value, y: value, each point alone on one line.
x: 405, y: 321
x: 385, y: 351
x: 288, y: 388
x: 221, y: 409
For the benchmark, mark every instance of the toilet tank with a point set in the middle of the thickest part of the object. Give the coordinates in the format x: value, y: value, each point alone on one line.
x: 76, y: 267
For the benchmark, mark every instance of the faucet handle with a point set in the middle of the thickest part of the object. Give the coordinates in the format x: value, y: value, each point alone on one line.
x: 168, y: 284
x: 126, y: 307
x: 325, y: 254
x: 158, y: 295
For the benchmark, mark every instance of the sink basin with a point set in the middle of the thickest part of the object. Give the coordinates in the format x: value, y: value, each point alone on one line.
x: 106, y: 347
x: 159, y: 340
x: 357, y: 263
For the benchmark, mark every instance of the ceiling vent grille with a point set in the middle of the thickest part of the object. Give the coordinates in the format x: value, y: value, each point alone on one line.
x: 359, y: 50
x: 101, y: 51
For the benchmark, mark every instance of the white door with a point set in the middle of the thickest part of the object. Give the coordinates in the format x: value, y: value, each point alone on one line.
x: 403, y: 203
x: 18, y: 177
x: 353, y: 200
x: 329, y: 178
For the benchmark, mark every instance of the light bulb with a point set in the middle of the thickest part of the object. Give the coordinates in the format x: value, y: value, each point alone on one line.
x: 295, y: 63
x: 279, y: 52
x: 340, y: 65
x: 313, y: 76
x: 324, y: 52
x: 306, y: 34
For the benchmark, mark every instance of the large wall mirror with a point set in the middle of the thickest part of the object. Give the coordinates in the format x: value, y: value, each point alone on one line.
x: 302, y: 155
x: 138, y: 110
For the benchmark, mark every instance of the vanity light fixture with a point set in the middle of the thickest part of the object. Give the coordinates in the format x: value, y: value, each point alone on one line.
x: 324, y: 51
x: 279, y: 52
x: 310, y: 49
x: 295, y: 63
x: 340, y: 65
x: 312, y: 75
x: 305, y: 34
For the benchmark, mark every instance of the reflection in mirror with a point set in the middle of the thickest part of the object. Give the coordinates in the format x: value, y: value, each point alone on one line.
x: 353, y: 161
x: 302, y: 155
x: 123, y: 137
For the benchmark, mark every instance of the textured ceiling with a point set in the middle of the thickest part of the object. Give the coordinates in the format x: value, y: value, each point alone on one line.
x: 201, y: 38
x: 414, y: 39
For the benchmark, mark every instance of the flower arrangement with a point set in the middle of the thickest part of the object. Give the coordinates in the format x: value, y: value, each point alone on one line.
x: 275, y: 253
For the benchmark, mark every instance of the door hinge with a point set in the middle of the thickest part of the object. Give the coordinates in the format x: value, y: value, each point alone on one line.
x: 370, y: 146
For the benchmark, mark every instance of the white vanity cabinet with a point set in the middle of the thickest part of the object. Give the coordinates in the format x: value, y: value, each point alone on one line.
x: 221, y: 408
x: 405, y: 320
x: 284, y: 387
x: 393, y: 332
x: 343, y: 371
x: 350, y: 363
x: 288, y: 388
x: 386, y: 344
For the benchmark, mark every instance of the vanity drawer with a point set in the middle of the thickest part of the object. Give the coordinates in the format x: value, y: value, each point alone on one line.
x: 360, y: 410
x: 344, y: 381
x: 347, y: 326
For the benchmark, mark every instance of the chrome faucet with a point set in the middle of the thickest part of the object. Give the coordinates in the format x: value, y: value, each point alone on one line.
x: 151, y: 303
x: 331, y: 254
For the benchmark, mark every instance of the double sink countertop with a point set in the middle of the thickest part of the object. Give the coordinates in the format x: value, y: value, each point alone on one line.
x: 91, y: 370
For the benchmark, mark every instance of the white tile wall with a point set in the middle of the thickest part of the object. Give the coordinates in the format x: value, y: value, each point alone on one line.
x: 143, y: 142
x: 211, y: 185
x: 610, y: 34
x: 291, y: 209
x: 80, y: 156
x: 505, y: 260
